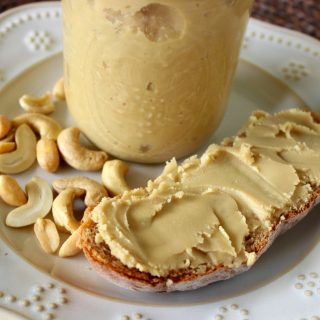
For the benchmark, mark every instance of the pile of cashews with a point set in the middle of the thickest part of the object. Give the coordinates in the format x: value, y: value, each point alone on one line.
x: 35, y: 136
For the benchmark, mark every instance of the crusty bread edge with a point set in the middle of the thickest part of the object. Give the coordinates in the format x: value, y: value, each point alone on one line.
x: 194, y: 281
x: 126, y: 277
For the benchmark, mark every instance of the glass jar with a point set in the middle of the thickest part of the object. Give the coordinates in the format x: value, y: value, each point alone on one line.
x: 147, y: 81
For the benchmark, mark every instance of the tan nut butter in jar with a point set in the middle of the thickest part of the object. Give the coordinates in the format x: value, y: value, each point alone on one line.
x: 146, y: 81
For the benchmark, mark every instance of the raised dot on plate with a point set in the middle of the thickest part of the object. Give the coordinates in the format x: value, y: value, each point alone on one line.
x: 301, y: 277
x: 219, y: 317
x: 138, y: 316
x: 314, y: 275
x: 25, y: 302
x: 62, y: 290
x: 311, y: 284
x: 50, y: 285
x: 63, y: 300
x: 234, y: 307
x: 223, y: 309
x: 244, y: 312
x: 35, y: 297
x: 52, y: 305
x: 308, y: 293
x: 125, y: 317
x: 298, y: 285
x: 39, y: 289
x: 39, y: 308
x: 11, y: 298
x: 48, y: 316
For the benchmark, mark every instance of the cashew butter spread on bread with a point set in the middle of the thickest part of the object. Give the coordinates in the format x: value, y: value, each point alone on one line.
x: 210, y: 218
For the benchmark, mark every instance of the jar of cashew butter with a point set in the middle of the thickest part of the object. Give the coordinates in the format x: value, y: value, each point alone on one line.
x: 148, y: 80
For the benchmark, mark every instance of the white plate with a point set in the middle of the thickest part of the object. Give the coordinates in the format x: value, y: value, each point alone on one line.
x: 280, y: 69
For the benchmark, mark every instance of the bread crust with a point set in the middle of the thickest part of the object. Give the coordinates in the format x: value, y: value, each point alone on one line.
x: 187, y: 279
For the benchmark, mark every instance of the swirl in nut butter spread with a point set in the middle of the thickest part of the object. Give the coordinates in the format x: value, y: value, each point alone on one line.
x: 201, y: 212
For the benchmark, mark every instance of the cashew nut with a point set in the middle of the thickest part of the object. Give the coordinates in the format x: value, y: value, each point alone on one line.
x: 10, y: 136
x: 11, y: 193
x: 71, y: 246
x: 41, y: 104
x: 5, y: 126
x: 78, y: 156
x: 94, y: 190
x: 6, y: 147
x: 47, y: 127
x: 47, y: 235
x: 25, y: 154
x: 58, y: 90
x: 62, y: 210
x: 48, y: 155
x: 38, y: 206
x: 113, y: 176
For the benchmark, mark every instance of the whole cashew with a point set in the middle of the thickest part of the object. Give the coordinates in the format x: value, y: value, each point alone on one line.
x: 47, y: 235
x: 47, y: 127
x: 38, y: 206
x: 58, y: 90
x: 41, y: 104
x: 11, y: 193
x: 6, y: 147
x: 78, y: 156
x: 113, y: 176
x: 62, y: 210
x: 48, y: 155
x: 25, y: 154
x: 71, y: 246
x: 5, y: 126
x: 94, y: 190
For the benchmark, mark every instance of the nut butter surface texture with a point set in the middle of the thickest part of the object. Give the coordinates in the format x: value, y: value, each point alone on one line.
x: 201, y: 213
x: 146, y: 81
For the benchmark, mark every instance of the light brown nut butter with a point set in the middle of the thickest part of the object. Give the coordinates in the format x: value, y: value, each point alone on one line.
x: 11, y: 193
x: 47, y: 235
x: 76, y: 155
x: 48, y: 155
x: 5, y: 126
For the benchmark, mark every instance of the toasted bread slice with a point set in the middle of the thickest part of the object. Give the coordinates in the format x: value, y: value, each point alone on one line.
x: 258, y: 242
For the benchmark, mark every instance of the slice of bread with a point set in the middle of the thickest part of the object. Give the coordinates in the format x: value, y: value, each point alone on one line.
x: 258, y: 242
